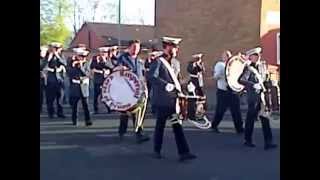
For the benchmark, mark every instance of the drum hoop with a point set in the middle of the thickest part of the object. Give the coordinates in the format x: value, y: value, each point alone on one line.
x: 140, y: 100
x: 227, y: 74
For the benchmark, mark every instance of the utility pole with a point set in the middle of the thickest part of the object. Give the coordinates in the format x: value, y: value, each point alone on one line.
x: 119, y: 24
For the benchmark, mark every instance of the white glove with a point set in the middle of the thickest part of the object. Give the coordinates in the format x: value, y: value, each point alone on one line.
x: 169, y: 87
x: 107, y: 72
x: 257, y: 86
x: 191, y: 87
x: 85, y: 81
x: 247, y: 62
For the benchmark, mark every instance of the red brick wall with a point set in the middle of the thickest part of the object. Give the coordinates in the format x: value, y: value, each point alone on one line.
x: 98, y: 30
x: 209, y: 27
x: 269, y: 30
x: 269, y: 45
x: 81, y: 37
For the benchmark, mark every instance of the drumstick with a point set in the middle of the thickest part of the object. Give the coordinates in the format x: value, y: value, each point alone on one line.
x: 129, y: 85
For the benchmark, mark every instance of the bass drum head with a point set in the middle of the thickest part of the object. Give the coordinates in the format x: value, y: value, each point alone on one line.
x: 234, y: 69
x: 122, y: 91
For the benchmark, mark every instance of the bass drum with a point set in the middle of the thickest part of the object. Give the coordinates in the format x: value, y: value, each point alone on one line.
x: 234, y: 68
x: 123, y: 91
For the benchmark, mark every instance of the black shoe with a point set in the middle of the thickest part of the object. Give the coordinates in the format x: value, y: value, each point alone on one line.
x: 270, y: 146
x: 215, y: 130
x: 61, y: 116
x: 75, y: 123
x: 96, y: 112
x: 157, y: 155
x: 88, y: 123
x: 249, y: 144
x: 142, y: 138
x: 187, y: 156
x: 51, y: 116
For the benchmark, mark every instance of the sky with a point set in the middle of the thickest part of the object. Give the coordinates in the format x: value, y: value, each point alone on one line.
x: 132, y: 12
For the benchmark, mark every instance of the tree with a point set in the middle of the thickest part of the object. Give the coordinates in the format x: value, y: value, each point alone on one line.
x: 95, y: 5
x: 52, y: 21
x: 54, y: 32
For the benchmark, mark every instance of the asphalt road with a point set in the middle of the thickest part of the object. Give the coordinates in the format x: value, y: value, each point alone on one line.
x: 95, y: 153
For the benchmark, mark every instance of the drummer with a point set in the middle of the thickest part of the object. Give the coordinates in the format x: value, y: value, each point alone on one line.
x: 195, y: 85
x: 130, y: 61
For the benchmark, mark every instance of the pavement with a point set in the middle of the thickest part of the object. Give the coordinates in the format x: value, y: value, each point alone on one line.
x: 96, y: 153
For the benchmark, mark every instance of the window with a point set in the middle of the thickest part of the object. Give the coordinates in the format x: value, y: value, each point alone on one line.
x: 278, y: 48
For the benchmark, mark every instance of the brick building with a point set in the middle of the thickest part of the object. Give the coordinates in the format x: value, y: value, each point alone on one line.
x: 205, y: 26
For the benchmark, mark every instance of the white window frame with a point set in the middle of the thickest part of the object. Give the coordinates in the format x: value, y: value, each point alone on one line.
x: 278, y: 48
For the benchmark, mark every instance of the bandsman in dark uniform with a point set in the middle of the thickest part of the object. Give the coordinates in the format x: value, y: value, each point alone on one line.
x: 254, y: 89
x: 43, y: 78
x: 166, y: 88
x: 113, y: 54
x: 147, y: 65
x: 70, y: 59
x: 101, y: 66
x: 132, y: 62
x: 79, y: 85
x: 55, y: 79
x: 195, y: 85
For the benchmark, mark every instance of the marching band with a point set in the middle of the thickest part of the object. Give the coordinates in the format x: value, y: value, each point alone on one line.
x: 159, y: 81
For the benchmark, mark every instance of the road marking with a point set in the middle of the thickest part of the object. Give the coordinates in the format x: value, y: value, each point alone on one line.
x: 58, y: 147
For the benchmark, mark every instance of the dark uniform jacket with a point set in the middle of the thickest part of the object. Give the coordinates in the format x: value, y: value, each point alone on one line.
x: 135, y: 65
x: 160, y: 77
x: 248, y: 79
x: 98, y: 78
x: 194, y: 70
x: 54, y: 63
x: 147, y: 66
x: 75, y: 73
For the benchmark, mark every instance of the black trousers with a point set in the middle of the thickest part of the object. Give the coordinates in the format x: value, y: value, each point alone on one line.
x: 96, y: 95
x: 42, y: 92
x: 252, y: 115
x: 162, y: 116
x: 74, y: 104
x: 225, y: 100
x: 149, y: 87
x: 54, y: 93
x: 150, y: 96
x: 124, y: 123
x: 192, y: 108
